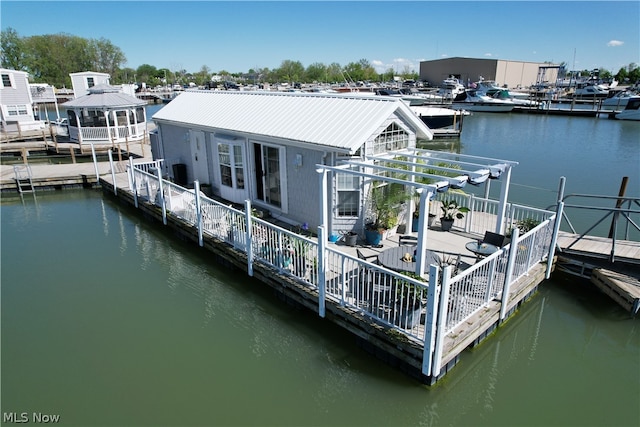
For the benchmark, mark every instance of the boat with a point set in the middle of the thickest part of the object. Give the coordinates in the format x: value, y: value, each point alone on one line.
x: 591, y: 90
x: 631, y: 111
x: 471, y: 100
x: 412, y: 100
x: 439, y: 117
x: 451, y: 88
x: 618, y: 100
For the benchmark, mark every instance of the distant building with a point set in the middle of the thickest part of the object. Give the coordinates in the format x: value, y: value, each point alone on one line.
x: 513, y: 74
x: 16, y: 102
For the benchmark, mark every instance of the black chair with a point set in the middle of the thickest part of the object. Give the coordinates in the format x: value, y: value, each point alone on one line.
x: 408, y: 241
x: 367, y: 257
x: 495, y: 239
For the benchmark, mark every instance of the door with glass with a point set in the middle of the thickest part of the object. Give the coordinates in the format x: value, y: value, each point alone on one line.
x: 231, y: 171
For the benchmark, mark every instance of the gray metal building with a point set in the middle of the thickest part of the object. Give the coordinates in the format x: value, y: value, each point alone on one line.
x: 513, y: 74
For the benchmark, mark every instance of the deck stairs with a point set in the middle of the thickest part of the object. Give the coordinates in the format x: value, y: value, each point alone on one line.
x: 23, y: 178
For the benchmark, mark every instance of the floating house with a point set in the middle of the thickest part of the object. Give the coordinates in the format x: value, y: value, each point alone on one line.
x: 106, y: 115
x: 16, y: 103
x: 82, y: 82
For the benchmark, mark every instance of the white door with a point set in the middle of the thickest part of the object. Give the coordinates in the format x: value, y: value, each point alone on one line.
x: 270, y: 175
x: 231, y: 171
x: 199, y: 157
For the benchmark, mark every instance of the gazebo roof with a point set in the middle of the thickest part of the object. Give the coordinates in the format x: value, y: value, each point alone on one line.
x: 104, y: 96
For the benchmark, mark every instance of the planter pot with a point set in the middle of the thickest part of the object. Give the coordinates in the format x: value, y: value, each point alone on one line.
x: 431, y: 220
x: 415, y: 224
x: 408, y: 317
x: 446, y: 224
x: 351, y: 238
x: 373, y: 237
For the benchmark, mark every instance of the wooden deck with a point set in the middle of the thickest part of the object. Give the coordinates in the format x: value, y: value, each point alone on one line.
x: 625, y: 251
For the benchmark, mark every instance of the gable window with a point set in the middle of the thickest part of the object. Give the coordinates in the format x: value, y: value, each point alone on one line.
x: 392, y: 138
x: 6, y: 80
x: 348, y: 188
x: 90, y: 82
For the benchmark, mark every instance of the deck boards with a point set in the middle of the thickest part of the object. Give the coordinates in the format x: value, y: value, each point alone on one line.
x: 599, y: 247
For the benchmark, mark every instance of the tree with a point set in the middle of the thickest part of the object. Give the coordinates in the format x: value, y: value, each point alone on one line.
x: 107, y: 58
x: 290, y: 71
x: 316, y: 72
x: 12, y: 53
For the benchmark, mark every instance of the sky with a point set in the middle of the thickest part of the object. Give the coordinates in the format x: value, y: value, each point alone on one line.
x: 238, y: 36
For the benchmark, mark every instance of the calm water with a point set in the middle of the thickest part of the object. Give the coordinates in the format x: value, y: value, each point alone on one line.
x: 108, y: 320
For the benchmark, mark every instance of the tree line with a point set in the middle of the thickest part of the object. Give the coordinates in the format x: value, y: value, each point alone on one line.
x: 51, y: 58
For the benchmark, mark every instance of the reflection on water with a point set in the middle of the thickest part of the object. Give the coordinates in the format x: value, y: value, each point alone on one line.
x: 126, y: 325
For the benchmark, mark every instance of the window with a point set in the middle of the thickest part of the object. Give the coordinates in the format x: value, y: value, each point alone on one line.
x: 17, y: 110
x: 392, y: 138
x: 6, y: 80
x: 237, y: 159
x: 225, y: 165
x: 348, y: 187
x: 90, y: 82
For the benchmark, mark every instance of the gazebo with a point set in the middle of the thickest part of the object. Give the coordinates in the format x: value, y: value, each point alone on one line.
x: 106, y: 116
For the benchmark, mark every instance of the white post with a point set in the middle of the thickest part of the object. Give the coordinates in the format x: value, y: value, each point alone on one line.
x: 132, y: 183
x: 442, y: 320
x: 504, y: 194
x: 249, y: 238
x: 554, y: 239
x: 113, y: 173
x: 161, y: 193
x: 421, y: 249
x: 196, y: 190
x: 322, y: 243
x: 430, y: 324
x: 513, y: 250
x: 95, y: 163
x: 324, y: 216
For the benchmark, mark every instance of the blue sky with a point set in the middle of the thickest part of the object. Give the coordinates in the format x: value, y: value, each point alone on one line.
x: 240, y: 35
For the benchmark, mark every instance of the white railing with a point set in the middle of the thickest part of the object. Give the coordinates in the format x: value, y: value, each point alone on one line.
x: 110, y: 134
x: 391, y: 298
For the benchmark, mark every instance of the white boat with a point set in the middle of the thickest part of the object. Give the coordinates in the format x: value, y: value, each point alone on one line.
x: 591, y: 90
x: 631, y: 111
x: 438, y: 117
x: 618, y: 100
x: 471, y: 100
x: 412, y: 100
x: 451, y: 88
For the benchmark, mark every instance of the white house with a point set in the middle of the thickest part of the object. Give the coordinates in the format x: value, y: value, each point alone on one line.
x: 82, y: 82
x: 271, y: 148
x: 265, y: 146
x: 16, y: 103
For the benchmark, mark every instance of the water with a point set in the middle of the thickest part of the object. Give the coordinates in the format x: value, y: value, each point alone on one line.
x: 109, y: 320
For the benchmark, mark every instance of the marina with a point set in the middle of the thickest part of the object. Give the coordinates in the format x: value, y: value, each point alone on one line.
x: 553, y: 324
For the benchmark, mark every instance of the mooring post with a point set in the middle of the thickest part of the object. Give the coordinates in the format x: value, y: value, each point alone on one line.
x: 619, y: 202
x: 554, y: 239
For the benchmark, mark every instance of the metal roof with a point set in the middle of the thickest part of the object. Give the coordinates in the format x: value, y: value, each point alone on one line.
x: 104, y: 96
x: 339, y: 121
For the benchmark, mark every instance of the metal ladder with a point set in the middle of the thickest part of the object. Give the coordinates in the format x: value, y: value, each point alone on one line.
x: 23, y: 178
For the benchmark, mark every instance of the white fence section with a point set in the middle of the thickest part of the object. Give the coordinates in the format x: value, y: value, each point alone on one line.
x: 391, y: 298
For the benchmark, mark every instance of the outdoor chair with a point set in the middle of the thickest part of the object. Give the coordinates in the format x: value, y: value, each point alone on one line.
x: 367, y: 257
x: 495, y: 239
x: 408, y: 241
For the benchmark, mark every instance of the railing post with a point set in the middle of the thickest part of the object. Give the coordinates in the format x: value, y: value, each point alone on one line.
x: 322, y: 243
x: 513, y: 250
x: 248, y: 218
x: 442, y: 320
x: 196, y: 190
x: 132, y: 183
x: 161, y: 193
x: 113, y: 173
x: 430, y: 323
x: 95, y: 163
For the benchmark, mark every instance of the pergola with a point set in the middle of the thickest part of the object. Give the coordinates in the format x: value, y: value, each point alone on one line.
x: 406, y: 165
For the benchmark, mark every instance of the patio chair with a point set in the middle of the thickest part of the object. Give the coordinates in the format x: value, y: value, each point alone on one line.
x: 495, y: 239
x: 407, y: 241
x: 367, y: 257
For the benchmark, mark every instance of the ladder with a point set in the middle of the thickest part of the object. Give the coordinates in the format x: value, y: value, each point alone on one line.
x: 23, y: 178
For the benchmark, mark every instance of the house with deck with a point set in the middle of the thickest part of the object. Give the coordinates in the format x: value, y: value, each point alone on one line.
x: 16, y: 103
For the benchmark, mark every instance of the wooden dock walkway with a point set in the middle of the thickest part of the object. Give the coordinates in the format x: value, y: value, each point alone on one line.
x: 613, y: 267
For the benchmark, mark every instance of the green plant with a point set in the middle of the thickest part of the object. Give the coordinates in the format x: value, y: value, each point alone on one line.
x: 524, y: 225
x: 385, y: 204
x: 451, y: 210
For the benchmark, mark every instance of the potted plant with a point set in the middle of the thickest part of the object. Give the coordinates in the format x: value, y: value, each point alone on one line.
x: 385, y: 204
x: 451, y: 211
x: 409, y: 303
